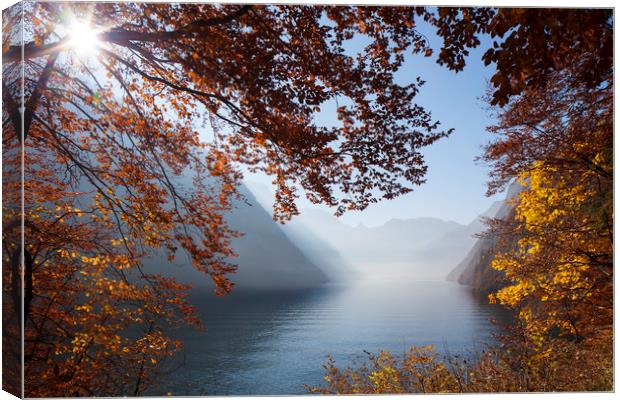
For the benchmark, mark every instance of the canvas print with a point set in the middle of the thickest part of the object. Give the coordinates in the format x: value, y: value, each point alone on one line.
x: 208, y: 199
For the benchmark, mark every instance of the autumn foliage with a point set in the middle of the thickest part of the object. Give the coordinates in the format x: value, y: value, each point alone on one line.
x: 115, y: 168
x: 116, y: 171
x: 555, y: 138
x: 561, y: 272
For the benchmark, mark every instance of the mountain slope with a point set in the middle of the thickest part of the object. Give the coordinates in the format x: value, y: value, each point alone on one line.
x: 267, y: 259
x: 319, y: 252
x: 475, y: 269
x: 315, y: 247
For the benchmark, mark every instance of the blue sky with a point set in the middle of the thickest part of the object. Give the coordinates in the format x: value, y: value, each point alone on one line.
x: 456, y: 184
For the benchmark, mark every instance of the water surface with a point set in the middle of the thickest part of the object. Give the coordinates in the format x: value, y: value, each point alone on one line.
x: 271, y: 343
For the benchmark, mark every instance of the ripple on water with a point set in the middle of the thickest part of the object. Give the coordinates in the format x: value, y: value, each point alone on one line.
x: 272, y: 343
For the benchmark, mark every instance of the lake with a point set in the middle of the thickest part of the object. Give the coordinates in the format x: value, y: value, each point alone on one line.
x: 271, y: 343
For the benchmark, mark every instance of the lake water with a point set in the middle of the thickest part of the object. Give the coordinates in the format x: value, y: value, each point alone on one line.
x: 272, y: 343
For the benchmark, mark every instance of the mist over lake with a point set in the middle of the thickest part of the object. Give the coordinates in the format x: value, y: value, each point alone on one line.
x: 273, y: 342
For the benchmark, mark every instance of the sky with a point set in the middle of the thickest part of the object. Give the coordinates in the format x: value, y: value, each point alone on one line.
x: 456, y: 184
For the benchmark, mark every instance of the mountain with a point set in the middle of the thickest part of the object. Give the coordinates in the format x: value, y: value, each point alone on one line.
x: 450, y: 249
x: 475, y: 269
x: 319, y: 252
x: 398, y: 248
x: 415, y: 248
x: 315, y: 248
x: 267, y: 258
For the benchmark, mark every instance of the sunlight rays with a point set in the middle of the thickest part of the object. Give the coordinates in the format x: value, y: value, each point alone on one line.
x: 82, y: 37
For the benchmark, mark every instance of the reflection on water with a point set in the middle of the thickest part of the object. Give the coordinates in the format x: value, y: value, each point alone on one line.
x: 272, y: 343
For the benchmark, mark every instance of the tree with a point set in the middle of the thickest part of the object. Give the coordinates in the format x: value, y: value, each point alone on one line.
x: 558, y: 141
x: 554, y: 135
x: 107, y: 137
x: 554, y: 82
x: 529, y: 45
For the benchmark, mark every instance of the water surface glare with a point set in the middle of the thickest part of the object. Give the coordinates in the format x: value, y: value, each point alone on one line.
x: 272, y: 343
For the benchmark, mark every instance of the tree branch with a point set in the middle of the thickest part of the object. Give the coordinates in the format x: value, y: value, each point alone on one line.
x: 121, y: 37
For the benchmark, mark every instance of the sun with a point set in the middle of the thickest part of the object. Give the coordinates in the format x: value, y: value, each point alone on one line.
x: 82, y: 38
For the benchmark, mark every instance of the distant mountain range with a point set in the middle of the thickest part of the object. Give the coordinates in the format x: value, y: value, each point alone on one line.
x: 417, y: 248
x: 316, y: 247
x: 399, y: 248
